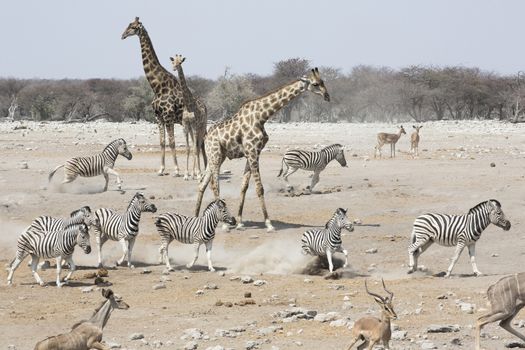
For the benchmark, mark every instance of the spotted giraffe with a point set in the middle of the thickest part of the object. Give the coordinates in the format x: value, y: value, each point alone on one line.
x: 243, y: 135
x: 168, y: 99
x: 194, y: 119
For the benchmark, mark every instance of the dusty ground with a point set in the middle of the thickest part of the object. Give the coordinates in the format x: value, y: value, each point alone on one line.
x: 452, y: 174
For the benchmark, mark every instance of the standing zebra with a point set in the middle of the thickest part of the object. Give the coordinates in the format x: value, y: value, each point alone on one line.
x: 455, y: 230
x: 311, y: 161
x: 325, y: 242
x: 101, y: 163
x: 56, y: 244
x: 192, y: 230
x: 121, y: 227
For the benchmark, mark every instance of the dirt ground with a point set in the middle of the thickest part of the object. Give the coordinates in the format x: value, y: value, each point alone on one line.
x: 452, y: 174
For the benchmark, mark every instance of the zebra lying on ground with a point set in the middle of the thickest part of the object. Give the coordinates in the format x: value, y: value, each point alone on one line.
x: 45, y: 224
x: 311, y: 161
x: 455, y: 230
x: 192, y: 230
x: 56, y: 244
x: 325, y: 242
x: 101, y: 163
x: 121, y: 227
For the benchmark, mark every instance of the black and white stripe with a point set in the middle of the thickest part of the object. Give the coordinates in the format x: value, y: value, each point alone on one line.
x: 55, y: 244
x: 192, y: 230
x: 311, y: 161
x: 99, y: 164
x: 326, y: 241
x: 455, y: 230
x: 121, y: 227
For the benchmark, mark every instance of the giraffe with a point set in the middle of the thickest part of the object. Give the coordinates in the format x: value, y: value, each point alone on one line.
x: 168, y: 100
x: 243, y: 135
x: 194, y: 119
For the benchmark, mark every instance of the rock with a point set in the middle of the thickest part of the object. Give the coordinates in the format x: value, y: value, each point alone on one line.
x: 371, y: 251
x: 87, y: 289
x: 492, y: 165
x: 250, y: 344
x: 434, y: 328
x: 23, y: 165
x: 514, y: 344
x: 145, y: 272
x: 307, y: 280
x: 216, y: 347
x: 456, y: 341
x: 269, y: 330
x: 339, y: 323
x: 442, y: 297
x: 347, y: 305
x: 211, y: 286
x: 112, y: 345
x: 159, y: 286
x: 157, y: 344
x: 191, y: 345
x: 192, y: 333
x: 494, y: 255
x: 136, y: 336
x: 428, y: 345
x: 466, y: 307
x: 247, y: 294
x: 259, y: 283
x: 221, y: 273
x: 246, y: 279
x: 11, y: 347
x: 399, y: 335
x: 330, y: 316
x: 199, y: 292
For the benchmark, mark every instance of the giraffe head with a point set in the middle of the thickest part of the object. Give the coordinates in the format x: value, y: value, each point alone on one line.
x: 177, y: 61
x: 134, y: 28
x: 315, y: 84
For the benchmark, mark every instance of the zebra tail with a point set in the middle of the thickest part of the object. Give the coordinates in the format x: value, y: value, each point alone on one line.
x: 53, y: 172
x: 282, y: 167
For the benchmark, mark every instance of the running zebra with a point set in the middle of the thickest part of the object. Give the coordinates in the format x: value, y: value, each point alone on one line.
x: 101, y: 163
x: 56, y: 244
x: 325, y: 242
x: 455, y: 230
x: 311, y: 161
x: 121, y: 227
x: 192, y: 230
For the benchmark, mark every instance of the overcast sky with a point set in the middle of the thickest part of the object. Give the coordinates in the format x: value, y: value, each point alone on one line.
x: 81, y: 39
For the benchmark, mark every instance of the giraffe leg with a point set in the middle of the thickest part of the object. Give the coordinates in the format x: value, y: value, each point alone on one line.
x: 162, y: 136
x: 196, y: 159
x: 459, y: 249
x: 259, y: 189
x: 244, y: 187
x: 186, y: 132
x: 170, y: 128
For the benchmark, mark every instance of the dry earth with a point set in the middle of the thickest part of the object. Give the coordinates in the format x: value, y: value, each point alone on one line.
x: 452, y: 174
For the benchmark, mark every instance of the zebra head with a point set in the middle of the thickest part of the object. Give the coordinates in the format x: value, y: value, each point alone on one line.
x: 143, y: 203
x: 83, y: 238
x: 496, y: 215
x: 315, y: 84
x: 86, y: 215
x: 123, y: 149
x: 384, y: 302
x: 340, y: 155
x: 223, y: 212
x: 342, y: 220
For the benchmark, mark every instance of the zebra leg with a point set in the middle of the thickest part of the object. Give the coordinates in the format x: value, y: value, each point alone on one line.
x: 414, y: 252
x: 170, y: 128
x: 114, y: 173
x: 106, y: 178
x: 289, y: 171
x: 345, y: 252
x: 14, y: 265
x: 459, y: 249
x: 100, y: 242
x: 315, y: 180
x: 131, y: 243
x: 196, y: 246
x: 472, y: 254
x: 164, y: 254
x: 59, y: 271
x: 34, y: 266
x: 124, y: 245
x: 329, y: 258
x: 162, y: 137
x: 244, y: 187
x: 208, y: 254
x: 72, y: 268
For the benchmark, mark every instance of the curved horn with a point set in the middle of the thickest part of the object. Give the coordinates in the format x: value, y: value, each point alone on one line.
x: 373, y: 294
x: 386, y: 290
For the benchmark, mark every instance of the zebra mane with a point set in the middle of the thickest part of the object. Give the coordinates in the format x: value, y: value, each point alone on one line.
x: 83, y: 209
x: 133, y: 199
x: 333, y: 217
x: 335, y: 145
x: 209, y: 207
x: 474, y: 208
x: 120, y: 140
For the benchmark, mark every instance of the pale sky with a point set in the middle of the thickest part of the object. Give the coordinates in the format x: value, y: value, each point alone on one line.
x: 81, y: 39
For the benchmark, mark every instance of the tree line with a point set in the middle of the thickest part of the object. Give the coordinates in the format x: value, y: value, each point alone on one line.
x: 366, y: 94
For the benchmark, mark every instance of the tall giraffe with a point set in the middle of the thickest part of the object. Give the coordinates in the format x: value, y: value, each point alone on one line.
x: 243, y: 135
x: 167, y: 101
x: 194, y: 119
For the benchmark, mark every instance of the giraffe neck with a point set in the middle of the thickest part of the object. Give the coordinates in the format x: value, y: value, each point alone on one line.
x: 186, y: 93
x: 271, y: 103
x: 152, y: 66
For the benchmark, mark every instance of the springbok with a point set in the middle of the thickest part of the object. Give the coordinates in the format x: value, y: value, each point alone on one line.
x: 86, y: 335
x: 373, y: 330
x: 414, y: 141
x: 506, y: 298
x: 383, y: 138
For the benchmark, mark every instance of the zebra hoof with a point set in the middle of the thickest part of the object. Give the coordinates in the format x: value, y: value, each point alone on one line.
x: 240, y: 227
x: 42, y: 284
x: 131, y: 266
x: 411, y: 271
x: 211, y: 269
x: 478, y: 274
x: 186, y: 177
x: 9, y: 283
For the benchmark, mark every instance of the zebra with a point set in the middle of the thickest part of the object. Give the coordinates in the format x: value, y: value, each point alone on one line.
x: 455, y: 230
x: 55, y: 244
x: 326, y: 241
x: 101, y: 163
x: 311, y: 161
x: 45, y: 224
x: 121, y: 227
x: 192, y: 230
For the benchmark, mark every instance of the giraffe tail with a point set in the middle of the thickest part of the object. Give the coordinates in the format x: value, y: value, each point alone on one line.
x: 53, y: 173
